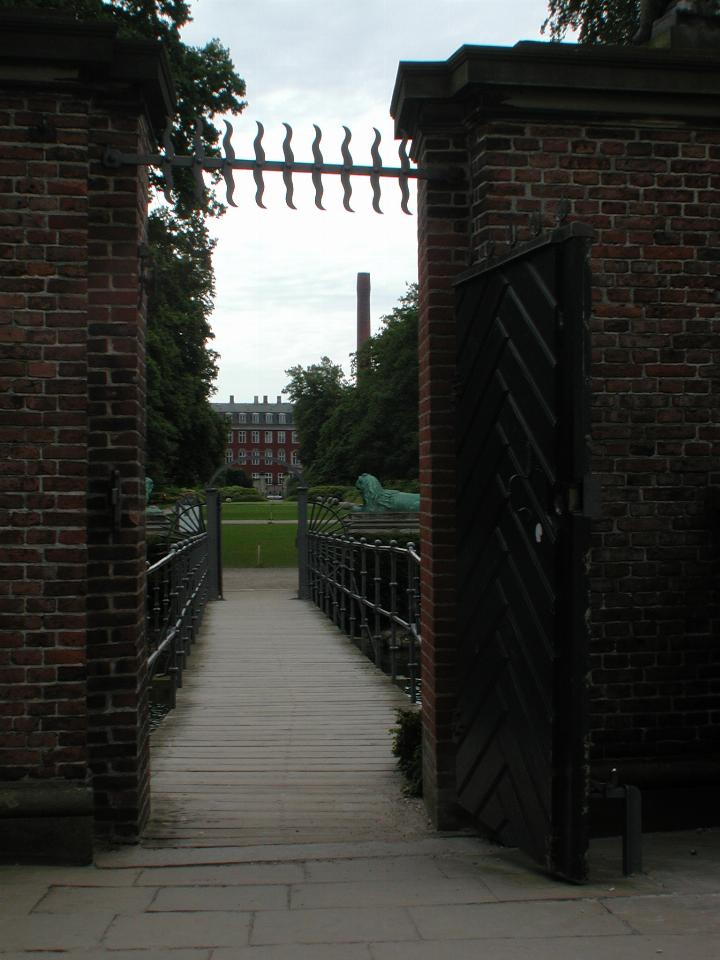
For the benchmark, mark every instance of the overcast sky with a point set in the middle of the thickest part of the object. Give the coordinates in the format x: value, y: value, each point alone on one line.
x: 286, y: 279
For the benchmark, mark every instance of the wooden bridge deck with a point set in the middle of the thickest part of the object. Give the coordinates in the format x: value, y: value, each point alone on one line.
x: 280, y: 734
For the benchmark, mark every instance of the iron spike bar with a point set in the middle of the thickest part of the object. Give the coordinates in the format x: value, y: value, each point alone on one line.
x: 200, y: 162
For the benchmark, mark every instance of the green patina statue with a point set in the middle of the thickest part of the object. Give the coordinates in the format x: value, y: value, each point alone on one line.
x: 378, y: 500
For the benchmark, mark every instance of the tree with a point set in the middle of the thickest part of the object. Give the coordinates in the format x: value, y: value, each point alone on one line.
x: 183, y: 429
x: 186, y: 438
x: 315, y: 392
x: 597, y: 21
x: 370, y: 426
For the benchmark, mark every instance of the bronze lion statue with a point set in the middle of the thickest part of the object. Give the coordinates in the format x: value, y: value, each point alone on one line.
x: 376, y: 499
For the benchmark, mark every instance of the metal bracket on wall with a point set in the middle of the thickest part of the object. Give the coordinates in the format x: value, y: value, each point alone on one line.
x: 115, y: 501
x: 200, y: 162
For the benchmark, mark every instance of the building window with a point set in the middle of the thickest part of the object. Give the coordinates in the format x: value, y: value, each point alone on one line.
x: 242, y: 417
x: 268, y: 418
x: 242, y: 436
x: 281, y: 436
x: 229, y: 438
x: 256, y: 476
x: 256, y: 456
x: 256, y: 418
x: 256, y: 436
x: 294, y: 436
x: 294, y: 459
x: 268, y: 456
x: 228, y: 456
x: 268, y: 436
x: 281, y: 418
x: 281, y: 456
x: 242, y: 456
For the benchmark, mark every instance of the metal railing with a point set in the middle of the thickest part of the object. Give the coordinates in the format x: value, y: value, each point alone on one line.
x: 177, y: 592
x: 371, y: 591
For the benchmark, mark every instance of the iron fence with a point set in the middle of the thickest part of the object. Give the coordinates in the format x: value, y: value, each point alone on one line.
x: 178, y: 589
x: 371, y: 591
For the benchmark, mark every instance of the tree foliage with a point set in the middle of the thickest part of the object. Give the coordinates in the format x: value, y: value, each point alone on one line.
x: 597, y: 21
x: 370, y: 425
x: 316, y: 391
x: 186, y: 438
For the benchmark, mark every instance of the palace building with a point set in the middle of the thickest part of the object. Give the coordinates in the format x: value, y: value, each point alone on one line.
x: 261, y: 440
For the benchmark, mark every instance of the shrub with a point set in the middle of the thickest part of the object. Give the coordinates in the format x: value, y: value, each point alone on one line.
x: 240, y: 494
x: 326, y: 490
x: 407, y: 747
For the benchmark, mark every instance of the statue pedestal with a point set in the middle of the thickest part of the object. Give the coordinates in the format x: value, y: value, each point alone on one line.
x: 400, y: 525
x: 686, y: 30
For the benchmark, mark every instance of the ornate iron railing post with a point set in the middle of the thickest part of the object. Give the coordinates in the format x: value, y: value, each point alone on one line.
x: 393, y: 609
x: 302, y: 540
x: 214, y: 527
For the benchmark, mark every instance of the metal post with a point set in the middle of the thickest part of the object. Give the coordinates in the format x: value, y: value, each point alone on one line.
x: 214, y: 528
x: 302, y: 540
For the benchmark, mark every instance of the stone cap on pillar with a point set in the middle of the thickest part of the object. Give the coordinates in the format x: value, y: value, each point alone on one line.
x: 541, y: 78
x: 39, y: 47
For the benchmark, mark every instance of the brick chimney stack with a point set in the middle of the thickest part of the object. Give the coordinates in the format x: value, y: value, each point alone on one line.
x: 363, y: 308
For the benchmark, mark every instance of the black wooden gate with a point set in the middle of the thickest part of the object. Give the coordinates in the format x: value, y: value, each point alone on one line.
x: 523, y: 538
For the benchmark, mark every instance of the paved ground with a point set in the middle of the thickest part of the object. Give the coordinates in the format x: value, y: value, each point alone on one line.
x: 279, y: 833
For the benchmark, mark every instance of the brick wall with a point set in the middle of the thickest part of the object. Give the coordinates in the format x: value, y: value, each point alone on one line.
x: 43, y: 467
x: 651, y: 195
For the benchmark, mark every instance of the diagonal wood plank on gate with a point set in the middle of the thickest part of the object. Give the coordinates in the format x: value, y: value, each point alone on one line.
x: 281, y: 732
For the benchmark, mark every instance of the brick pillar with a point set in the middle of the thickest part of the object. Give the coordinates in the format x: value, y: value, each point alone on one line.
x: 117, y: 653
x: 443, y: 250
x: 73, y: 719
x: 627, y: 141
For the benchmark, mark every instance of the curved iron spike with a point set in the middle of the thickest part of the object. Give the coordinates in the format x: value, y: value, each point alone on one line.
x: 287, y: 174
x: 197, y: 168
x: 167, y: 169
x: 227, y: 169
x: 257, y: 172
x: 375, y: 177
x: 403, y: 178
x: 316, y: 174
x: 345, y: 175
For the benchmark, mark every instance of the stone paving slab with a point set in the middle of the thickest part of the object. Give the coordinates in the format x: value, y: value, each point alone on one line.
x: 89, y: 900
x: 378, y: 869
x: 296, y: 951
x: 566, y: 918
x: 100, y: 953
x: 222, y: 875
x: 245, y: 897
x: 132, y: 858
x: 553, y: 948
x: 46, y: 932
x: 334, y: 925
x: 375, y: 893
x: 169, y: 930
x: 670, y: 914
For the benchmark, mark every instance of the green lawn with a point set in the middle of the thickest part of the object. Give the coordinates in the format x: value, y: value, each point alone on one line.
x: 276, y: 544
x: 267, y: 510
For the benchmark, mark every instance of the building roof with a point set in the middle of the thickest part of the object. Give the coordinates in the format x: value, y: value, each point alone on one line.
x: 253, y: 408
